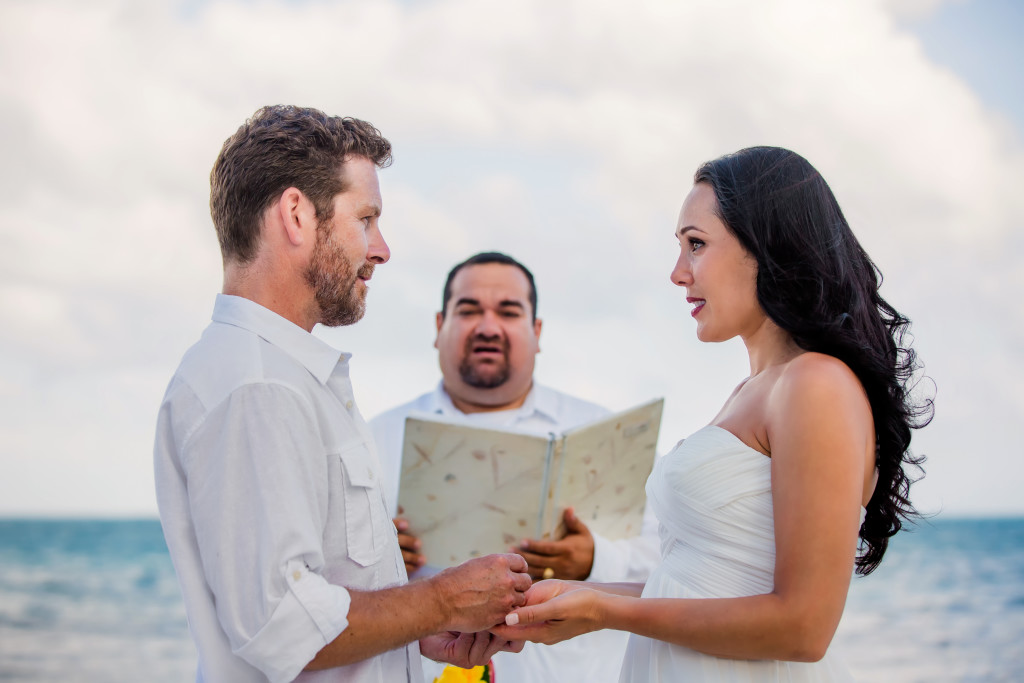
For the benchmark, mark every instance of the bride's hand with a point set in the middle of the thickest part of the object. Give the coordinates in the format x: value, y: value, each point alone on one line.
x: 565, y: 612
x: 542, y: 591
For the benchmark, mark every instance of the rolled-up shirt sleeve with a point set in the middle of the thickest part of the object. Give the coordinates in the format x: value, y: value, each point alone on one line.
x: 257, y: 489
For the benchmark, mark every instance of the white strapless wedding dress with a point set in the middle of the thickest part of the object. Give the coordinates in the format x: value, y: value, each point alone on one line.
x: 712, y: 495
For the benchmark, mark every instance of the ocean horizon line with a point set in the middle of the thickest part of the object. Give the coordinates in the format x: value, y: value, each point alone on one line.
x: 152, y: 516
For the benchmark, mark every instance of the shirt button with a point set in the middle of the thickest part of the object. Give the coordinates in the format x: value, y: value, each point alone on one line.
x: 348, y: 404
x: 369, y: 473
x: 297, y: 575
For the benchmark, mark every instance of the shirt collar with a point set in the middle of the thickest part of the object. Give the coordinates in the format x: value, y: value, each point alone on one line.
x: 540, y: 400
x: 544, y: 401
x: 312, y: 353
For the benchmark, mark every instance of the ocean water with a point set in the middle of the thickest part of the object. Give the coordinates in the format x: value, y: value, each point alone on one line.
x: 946, y: 604
x: 87, y: 600
x: 97, y: 601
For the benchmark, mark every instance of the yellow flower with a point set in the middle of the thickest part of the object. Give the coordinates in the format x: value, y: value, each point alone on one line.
x: 453, y: 674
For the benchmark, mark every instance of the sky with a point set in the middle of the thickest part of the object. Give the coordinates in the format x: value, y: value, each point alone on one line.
x: 565, y: 134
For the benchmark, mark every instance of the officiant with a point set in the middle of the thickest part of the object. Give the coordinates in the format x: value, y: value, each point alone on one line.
x: 488, y: 336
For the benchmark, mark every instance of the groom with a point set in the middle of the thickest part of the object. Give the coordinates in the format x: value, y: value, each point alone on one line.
x: 266, y: 475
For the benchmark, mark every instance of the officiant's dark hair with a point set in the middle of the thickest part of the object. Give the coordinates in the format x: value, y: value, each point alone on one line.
x: 816, y: 282
x: 484, y: 258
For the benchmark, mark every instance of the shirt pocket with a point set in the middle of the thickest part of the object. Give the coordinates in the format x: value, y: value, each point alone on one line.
x: 365, y: 517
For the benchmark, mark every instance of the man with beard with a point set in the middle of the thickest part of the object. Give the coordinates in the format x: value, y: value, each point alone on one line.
x: 266, y: 475
x: 488, y: 337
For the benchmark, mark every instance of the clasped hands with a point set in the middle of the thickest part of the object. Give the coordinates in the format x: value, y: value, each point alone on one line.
x: 570, y: 557
x: 470, y: 599
x: 554, y: 611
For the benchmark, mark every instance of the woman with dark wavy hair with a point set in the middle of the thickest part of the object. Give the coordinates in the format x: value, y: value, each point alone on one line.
x: 761, y: 511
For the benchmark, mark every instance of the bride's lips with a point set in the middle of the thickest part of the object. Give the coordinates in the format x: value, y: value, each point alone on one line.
x: 698, y: 305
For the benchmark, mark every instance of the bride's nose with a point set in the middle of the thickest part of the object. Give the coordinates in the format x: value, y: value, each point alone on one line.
x: 681, y: 274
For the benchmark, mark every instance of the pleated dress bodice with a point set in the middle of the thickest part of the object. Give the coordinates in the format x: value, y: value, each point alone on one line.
x: 712, y: 495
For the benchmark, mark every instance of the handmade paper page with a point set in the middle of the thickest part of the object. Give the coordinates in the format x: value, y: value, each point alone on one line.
x: 604, y: 470
x: 468, y: 491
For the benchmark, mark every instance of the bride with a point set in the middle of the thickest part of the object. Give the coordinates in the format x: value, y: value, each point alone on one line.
x: 803, y: 474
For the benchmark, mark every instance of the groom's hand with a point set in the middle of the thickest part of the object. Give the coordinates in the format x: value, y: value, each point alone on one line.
x: 571, y: 558
x: 466, y: 650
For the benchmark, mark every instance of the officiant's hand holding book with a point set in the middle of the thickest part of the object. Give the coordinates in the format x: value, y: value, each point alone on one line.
x: 570, y: 557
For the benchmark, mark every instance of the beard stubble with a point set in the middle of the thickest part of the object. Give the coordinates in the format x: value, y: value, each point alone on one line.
x: 335, y: 281
x: 496, y: 376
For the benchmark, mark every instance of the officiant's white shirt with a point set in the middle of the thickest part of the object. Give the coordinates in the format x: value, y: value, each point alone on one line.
x: 270, y: 500
x: 594, y: 657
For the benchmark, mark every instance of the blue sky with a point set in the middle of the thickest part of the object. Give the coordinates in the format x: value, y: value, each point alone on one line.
x: 981, y: 41
x: 565, y: 134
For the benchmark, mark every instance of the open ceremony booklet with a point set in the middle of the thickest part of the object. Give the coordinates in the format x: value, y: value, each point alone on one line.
x: 470, y: 491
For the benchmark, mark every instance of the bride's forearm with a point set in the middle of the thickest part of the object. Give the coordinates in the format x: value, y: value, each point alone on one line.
x: 628, y: 590
x: 756, y: 627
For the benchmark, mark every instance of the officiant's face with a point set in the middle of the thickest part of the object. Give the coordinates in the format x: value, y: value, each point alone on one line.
x: 487, y: 338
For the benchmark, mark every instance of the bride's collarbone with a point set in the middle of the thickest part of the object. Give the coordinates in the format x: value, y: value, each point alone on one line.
x: 744, y: 414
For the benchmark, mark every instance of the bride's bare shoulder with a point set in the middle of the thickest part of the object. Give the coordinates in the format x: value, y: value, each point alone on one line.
x: 812, y: 378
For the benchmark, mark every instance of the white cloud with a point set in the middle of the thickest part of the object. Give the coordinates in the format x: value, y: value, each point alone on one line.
x: 564, y: 134
x: 913, y: 10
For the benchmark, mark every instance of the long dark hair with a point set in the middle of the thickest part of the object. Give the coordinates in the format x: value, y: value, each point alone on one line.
x: 815, y: 281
